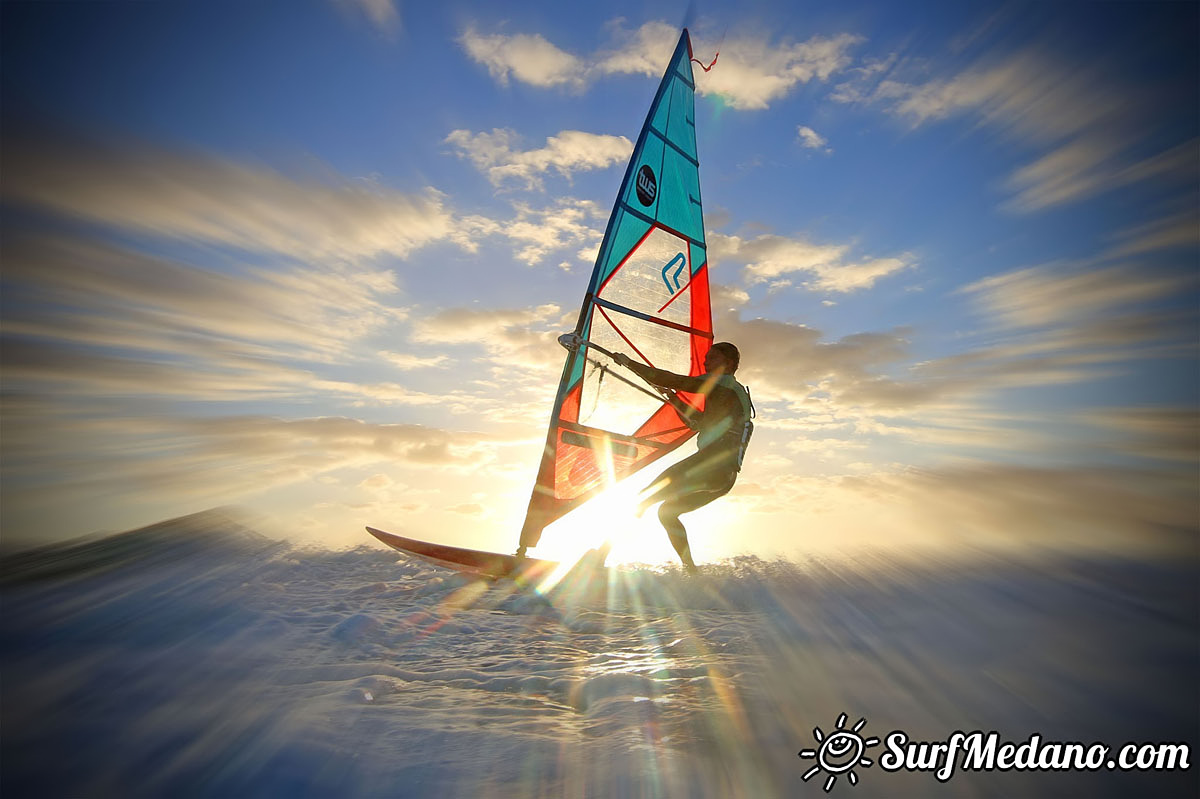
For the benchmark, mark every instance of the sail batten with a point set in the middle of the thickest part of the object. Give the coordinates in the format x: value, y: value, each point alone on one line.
x: 647, y: 297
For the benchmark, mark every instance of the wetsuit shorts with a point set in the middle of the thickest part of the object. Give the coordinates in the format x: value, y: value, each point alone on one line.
x: 697, y: 480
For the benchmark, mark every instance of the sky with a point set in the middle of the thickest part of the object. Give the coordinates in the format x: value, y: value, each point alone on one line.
x: 310, y: 259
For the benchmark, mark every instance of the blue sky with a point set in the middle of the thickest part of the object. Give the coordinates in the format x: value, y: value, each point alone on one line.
x: 311, y: 258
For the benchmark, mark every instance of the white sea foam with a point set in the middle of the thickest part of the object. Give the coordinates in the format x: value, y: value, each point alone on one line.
x: 197, y: 662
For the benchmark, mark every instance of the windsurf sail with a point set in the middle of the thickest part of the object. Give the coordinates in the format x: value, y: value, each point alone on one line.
x: 648, y: 298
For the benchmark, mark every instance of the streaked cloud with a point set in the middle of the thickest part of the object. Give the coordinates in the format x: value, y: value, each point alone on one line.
x: 1047, y: 326
x: 95, y: 320
x: 1090, y: 125
x: 1046, y: 295
x: 990, y: 507
x: 789, y: 363
x: 567, y: 152
x: 407, y: 361
x: 1094, y: 165
x: 515, y: 339
x: 467, y: 325
x: 199, y: 197
x: 473, y: 509
x: 92, y: 293
x: 514, y: 355
x: 176, y: 374
x: 1163, y: 433
x: 771, y: 258
x: 1177, y: 231
x: 227, y: 457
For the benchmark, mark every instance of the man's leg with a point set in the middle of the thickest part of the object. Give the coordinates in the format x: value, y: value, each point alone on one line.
x: 673, y: 508
x: 669, y: 514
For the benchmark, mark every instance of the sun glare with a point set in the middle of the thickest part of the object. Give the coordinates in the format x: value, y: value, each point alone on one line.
x: 609, y: 517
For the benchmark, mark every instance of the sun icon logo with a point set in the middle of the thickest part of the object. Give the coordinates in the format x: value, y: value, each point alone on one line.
x: 839, y: 752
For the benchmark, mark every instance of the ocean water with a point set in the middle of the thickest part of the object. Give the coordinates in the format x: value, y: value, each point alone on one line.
x: 197, y: 658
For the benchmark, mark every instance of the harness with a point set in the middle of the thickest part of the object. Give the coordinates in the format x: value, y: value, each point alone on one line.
x: 739, y: 431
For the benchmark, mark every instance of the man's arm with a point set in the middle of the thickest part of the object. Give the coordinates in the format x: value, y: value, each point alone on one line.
x: 660, y: 377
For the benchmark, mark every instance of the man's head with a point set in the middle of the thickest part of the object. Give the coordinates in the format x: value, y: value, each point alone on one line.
x: 722, y: 357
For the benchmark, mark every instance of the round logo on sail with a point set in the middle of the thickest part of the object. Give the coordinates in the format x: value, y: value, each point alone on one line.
x: 647, y: 186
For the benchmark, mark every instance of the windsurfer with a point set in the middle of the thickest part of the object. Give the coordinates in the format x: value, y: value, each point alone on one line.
x: 724, y: 430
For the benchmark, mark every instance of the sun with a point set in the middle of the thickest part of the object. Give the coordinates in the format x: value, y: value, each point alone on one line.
x: 839, y: 752
x: 609, y: 517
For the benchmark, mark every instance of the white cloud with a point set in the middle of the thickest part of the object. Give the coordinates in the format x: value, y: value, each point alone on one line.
x: 528, y: 58
x: 567, y: 152
x: 769, y: 257
x: 377, y: 482
x: 812, y: 140
x: 641, y: 52
x: 751, y: 73
x: 381, y: 13
x: 567, y: 228
x: 567, y: 224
